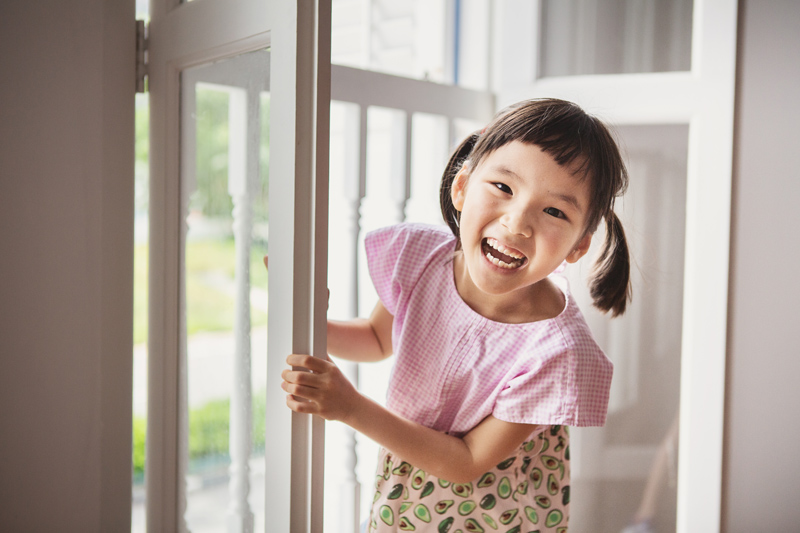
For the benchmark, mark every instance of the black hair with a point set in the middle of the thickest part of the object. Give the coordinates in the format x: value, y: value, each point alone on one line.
x: 580, y: 142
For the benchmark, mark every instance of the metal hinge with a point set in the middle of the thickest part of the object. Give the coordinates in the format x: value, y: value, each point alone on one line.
x: 141, y: 56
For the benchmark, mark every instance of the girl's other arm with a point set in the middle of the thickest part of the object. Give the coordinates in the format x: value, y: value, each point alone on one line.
x: 326, y: 392
x: 362, y: 339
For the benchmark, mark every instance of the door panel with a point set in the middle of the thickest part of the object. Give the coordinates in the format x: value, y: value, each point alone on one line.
x: 209, y: 72
x: 627, y: 470
x: 615, y: 37
x: 675, y: 120
x: 224, y: 206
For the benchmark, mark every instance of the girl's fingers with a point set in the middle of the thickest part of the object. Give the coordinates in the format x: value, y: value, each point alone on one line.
x: 300, y: 391
x: 300, y: 406
x: 300, y: 377
x: 315, y: 364
x: 323, y: 391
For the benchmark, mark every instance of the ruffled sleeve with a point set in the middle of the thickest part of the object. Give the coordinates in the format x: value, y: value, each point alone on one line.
x: 569, y: 385
x: 397, y: 256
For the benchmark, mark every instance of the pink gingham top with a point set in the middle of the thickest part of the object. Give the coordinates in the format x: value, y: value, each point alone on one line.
x: 454, y: 367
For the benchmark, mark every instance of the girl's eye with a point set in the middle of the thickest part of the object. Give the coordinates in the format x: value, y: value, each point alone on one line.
x: 503, y: 187
x: 552, y: 211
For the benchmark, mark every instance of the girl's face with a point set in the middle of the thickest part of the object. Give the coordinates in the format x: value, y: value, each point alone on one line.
x: 522, y: 215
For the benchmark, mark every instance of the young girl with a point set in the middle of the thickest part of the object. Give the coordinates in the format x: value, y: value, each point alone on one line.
x: 493, y: 357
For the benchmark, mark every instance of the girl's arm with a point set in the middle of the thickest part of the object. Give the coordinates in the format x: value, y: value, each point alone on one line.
x: 324, y: 391
x: 362, y: 339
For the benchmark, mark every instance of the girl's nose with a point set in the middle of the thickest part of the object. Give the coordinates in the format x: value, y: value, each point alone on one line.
x: 517, y: 223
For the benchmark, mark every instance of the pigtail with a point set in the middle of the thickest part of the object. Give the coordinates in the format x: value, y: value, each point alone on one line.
x: 449, y: 212
x: 610, y: 284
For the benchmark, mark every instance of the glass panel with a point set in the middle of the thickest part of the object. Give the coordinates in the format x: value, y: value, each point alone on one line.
x: 615, y: 36
x: 341, y: 492
x: 224, y: 173
x: 402, y: 38
x: 140, y: 290
x: 626, y: 472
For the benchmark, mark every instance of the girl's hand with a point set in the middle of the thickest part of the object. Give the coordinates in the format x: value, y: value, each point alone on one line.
x: 318, y: 387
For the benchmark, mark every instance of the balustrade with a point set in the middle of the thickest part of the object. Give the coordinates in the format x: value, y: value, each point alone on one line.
x: 399, y: 100
x: 358, y: 92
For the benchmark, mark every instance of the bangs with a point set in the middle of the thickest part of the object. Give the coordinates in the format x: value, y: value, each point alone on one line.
x: 568, y: 135
x: 576, y: 140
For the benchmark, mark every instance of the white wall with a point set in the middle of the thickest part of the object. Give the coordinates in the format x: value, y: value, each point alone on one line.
x: 66, y: 247
x: 762, y: 463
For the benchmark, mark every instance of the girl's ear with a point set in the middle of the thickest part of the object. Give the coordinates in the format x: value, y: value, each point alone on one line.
x: 458, y: 189
x: 581, y: 249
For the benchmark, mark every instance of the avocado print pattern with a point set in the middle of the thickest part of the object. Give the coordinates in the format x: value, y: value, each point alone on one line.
x: 527, y: 491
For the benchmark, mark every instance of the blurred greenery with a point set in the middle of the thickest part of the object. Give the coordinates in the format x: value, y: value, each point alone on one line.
x: 142, y: 151
x: 210, y: 261
x: 139, y: 432
x: 209, y: 427
x: 211, y: 197
x: 209, y: 308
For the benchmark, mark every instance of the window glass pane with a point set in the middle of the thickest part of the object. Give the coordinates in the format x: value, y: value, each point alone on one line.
x: 224, y: 172
x: 403, y: 38
x: 627, y: 471
x: 581, y: 37
x: 140, y: 290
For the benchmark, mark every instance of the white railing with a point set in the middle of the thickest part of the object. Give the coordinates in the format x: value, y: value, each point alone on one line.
x: 355, y: 163
x: 364, y: 100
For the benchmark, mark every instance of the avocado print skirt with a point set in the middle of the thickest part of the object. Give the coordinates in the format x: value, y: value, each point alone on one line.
x: 527, y: 492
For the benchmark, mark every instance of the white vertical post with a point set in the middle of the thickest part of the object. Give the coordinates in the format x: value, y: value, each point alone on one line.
x: 300, y: 83
x: 400, y: 186
x: 321, y: 25
x: 179, y: 39
x: 183, y: 376
x: 240, y: 187
x: 188, y: 154
x: 452, y: 135
x: 355, y: 182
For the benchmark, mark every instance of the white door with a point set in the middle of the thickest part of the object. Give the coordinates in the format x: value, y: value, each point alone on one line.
x: 662, y: 73
x: 224, y: 77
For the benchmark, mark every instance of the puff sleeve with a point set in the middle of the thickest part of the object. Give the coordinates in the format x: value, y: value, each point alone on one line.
x: 397, y: 256
x: 569, y: 386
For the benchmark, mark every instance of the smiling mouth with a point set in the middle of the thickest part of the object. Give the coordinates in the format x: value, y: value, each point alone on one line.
x: 502, y: 256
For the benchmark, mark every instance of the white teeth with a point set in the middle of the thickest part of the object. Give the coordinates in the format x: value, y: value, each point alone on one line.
x: 518, y: 258
x: 500, y: 263
x: 502, y: 249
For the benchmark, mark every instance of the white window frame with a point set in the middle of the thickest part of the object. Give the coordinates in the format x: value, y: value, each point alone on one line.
x: 186, y: 35
x: 703, y: 98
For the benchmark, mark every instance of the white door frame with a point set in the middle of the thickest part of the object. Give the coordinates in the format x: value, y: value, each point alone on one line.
x: 299, y: 133
x: 186, y: 35
x: 704, y: 99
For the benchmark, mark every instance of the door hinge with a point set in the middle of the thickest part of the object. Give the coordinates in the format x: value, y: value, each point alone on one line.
x: 141, y: 56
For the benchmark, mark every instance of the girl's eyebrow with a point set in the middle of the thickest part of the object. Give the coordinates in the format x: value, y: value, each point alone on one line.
x: 568, y: 198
